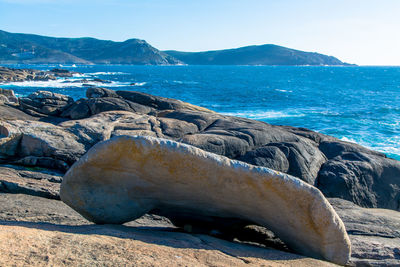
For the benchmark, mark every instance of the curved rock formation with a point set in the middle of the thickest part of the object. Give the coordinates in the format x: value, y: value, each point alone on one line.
x: 122, y: 179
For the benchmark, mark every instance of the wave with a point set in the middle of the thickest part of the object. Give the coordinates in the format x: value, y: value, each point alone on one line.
x: 283, y: 91
x: 106, y: 73
x: 389, y: 146
x: 138, y: 84
x: 260, y: 115
x: 63, y: 83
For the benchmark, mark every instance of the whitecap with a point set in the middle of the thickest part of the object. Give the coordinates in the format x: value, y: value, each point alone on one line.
x: 138, y: 84
x: 283, y: 91
x: 346, y: 139
x: 63, y: 83
x: 260, y: 115
x: 106, y: 73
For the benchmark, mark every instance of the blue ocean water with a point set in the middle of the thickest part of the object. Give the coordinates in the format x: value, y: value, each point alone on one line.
x: 356, y: 104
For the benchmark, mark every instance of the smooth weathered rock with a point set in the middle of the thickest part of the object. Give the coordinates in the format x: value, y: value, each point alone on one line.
x: 11, y: 112
x: 34, y: 143
x: 44, y: 103
x: 121, y: 179
x: 374, y: 233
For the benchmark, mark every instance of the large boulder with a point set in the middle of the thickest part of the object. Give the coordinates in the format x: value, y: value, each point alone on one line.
x: 121, y: 179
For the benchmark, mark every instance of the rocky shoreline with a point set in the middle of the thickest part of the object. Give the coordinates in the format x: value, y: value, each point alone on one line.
x: 44, y: 134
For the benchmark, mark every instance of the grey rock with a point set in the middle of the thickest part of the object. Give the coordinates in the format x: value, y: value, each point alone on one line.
x: 8, y: 96
x: 35, y: 183
x: 158, y: 102
x: 44, y: 103
x: 365, y: 178
x: 374, y: 233
x: 84, y: 108
x: 43, y: 143
x: 96, y: 92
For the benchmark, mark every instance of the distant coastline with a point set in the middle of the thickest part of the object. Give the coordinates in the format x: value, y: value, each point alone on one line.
x: 18, y: 48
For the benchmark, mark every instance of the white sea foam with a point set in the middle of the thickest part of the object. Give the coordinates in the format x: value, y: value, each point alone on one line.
x: 346, y: 139
x: 63, y: 83
x: 259, y: 115
x: 283, y: 91
x: 107, y: 73
x: 139, y: 84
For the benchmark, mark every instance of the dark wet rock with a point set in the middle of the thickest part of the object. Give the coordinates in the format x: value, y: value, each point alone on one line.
x: 374, y: 233
x: 44, y: 103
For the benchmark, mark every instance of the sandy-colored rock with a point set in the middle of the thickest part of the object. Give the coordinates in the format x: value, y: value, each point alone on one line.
x: 121, y: 179
x: 33, y: 244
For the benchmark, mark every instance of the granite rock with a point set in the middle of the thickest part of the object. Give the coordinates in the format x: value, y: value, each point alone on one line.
x: 122, y: 179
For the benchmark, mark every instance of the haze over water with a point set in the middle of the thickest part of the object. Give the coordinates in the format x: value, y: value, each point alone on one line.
x: 357, y: 104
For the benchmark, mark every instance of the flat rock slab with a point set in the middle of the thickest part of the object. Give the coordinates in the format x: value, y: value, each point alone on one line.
x: 16, y: 181
x: 34, y: 244
x: 122, y: 179
x: 374, y: 233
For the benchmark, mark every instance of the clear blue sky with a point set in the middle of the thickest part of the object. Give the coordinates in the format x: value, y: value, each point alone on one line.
x: 365, y: 32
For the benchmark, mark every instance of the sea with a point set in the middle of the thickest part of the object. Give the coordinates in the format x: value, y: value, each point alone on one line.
x: 354, y: 104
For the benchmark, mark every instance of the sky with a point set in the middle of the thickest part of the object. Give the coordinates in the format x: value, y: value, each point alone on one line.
x: 364, y: 32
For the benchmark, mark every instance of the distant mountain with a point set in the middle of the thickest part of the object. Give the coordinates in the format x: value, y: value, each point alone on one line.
x: 31, y: 49
x: 255, y: 55
x: 35, y: 49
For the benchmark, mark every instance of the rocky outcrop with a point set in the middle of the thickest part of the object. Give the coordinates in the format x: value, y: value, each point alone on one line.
x: 125, y: 177
x: 337, y: 168
x: 34, y: 143
x: 20, y: 75
x: 44, y: 103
